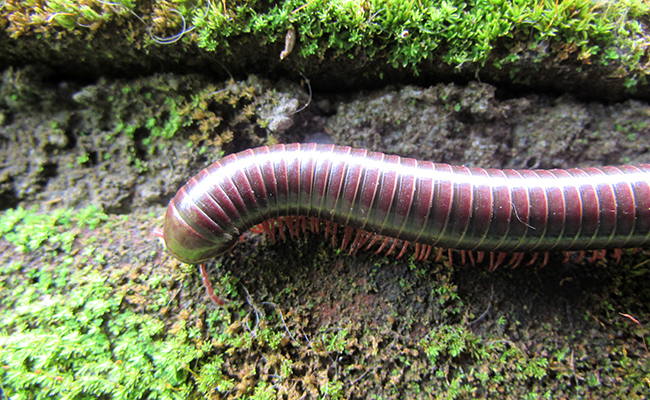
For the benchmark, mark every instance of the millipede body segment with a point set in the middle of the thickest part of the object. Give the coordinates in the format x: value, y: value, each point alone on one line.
x: 420, y: 202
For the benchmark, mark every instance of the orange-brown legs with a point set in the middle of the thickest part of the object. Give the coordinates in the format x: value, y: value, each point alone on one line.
x: 208, y: 286
x: 355, y: 239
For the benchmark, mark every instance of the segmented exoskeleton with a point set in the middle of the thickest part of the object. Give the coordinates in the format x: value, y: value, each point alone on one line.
x: 420, y: 202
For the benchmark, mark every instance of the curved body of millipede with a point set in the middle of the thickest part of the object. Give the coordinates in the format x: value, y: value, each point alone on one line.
x: 382, y: 196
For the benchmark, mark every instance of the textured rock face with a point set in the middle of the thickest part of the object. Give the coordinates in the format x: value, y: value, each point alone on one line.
x: 131, y: 143
x: 469, y: 125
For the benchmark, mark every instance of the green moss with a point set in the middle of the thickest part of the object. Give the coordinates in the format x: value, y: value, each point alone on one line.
x: 28, y: 230
x: 64, y: 331
x: 140, y: 118
x: 68, y: 14
x: 403, y: 33
x: 78, y: 344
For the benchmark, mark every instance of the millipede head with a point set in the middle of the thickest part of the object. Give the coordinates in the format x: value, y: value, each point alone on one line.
x: 185, y: 242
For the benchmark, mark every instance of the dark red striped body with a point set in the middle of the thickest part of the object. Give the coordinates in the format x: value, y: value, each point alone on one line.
x: 417, y: 201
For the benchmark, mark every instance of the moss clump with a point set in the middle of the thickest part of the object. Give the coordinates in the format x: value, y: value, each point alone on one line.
x: 501, y: 38
x: 24, y: 17
x: 406, y: 34
x: 65, y: 331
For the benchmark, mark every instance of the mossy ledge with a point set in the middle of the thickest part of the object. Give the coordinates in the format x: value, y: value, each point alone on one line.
x: 589, y: 48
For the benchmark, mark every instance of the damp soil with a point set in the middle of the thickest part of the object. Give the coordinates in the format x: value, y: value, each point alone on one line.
x: 381, y: 327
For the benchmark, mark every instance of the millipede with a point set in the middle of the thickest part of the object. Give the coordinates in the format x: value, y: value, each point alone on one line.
x: 392, y: 202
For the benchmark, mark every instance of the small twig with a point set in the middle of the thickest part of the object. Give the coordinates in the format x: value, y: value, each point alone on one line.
x: 306, y: 337
x: 48, y: 202
x: 301, y: 7
x: 230, y: 83
x: 642, y: 333
x: 641, y: 264
x: 226, y: 69
x: 282, y: 318
x: 361, y: 377
x: 173, y: 296
x: 256, y: 310
x: 310, y: 95
x: 576, y: 378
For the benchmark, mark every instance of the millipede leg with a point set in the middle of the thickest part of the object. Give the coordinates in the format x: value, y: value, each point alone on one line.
x: 208, y: 286
x: 264, y: 228
x: 416, y: 256
x: 545, y: 260
x: 335, y: 227
x: 375, y: 237
x: 450, y: 257
x: 517, y: 258
x: 423, y: 252
x: 362, y: 241
x: 428, y: 253
x: 597, y: 255
x: 386, y: 240
x: 347, y: 235
x: 500, y: 258
x: 258, y: 228
x: 603, y: 253
x: 439, y: 255
x: 315, y: 224
x: 303, y: 224
x: 392, y: 247
x: 532, y: 261
x: 401, y: 253
x: 593, y: 257
x: 355, y: 243
x: 471, y: 258
x: 293, y: 229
